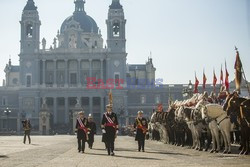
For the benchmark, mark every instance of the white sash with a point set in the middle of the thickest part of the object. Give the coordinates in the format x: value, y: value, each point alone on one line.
x: 80, y: 122
x: 109, y: 119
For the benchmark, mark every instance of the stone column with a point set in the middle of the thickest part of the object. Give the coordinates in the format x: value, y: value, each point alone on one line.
x: 37, y: 105
x: 18, y: 123
x: 38, y: 72
x: 44, y: 70
x: 91, y: 105
x: 79, y: 72
x: 66, y: 74
x: 90, y: 68
x: 54, y: 81
x: 102, y: 69
x: 102, y: 106
x: 55, y: 110
x: 66, y: 110
x: 108, y: 71
x: 126, y: 110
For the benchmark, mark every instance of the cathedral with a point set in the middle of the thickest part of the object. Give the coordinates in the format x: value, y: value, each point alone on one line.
x: 77, y: 72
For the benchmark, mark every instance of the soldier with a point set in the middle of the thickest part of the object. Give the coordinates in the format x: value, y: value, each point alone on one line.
x: 92, y: 131
x: 109, y: 129
x: 140, y: 130
x: 82, y: 131
x: 222, y: 95
x: 27, y: 129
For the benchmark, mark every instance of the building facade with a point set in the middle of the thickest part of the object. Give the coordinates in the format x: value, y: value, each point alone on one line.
x: 78, y: 70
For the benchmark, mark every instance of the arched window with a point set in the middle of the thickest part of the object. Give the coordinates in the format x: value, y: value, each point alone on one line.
x: 28, y: 81
x: 29, y: 31
x: 116, y: 29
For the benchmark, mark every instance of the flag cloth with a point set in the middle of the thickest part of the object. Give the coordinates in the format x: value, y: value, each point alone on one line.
x: 221, y: 76
x: 204, y: 80
x: 214, y: 81
x: 226, y: 78
x: 196, y: 85
x: 238, y: 73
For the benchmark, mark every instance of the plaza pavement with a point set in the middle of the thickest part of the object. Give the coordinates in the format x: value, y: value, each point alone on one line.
x: 61, y: 151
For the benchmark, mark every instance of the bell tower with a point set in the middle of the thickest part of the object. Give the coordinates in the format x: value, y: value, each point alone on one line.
x: 116, y: 22
x: 30, y: 40
x: 30, y: 29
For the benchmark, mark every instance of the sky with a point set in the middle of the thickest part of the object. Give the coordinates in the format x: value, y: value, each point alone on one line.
x: 184, y: 36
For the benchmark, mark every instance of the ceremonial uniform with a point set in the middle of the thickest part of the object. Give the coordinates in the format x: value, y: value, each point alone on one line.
x: 110, y: 130
x: 141, y: 128
x: 82, y: 133
x: 27, y: 129
x: 92, y: 132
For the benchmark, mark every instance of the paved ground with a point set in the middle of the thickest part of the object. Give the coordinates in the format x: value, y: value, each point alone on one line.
x: 60, y: 151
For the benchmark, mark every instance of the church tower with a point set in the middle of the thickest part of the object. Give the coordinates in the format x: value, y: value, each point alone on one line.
x: 116, y: 39
x: 30, y: 29
x: 30, y: 41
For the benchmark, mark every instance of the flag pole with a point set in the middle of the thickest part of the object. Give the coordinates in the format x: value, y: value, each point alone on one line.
x: 243, y: 72
x: 246, y: 81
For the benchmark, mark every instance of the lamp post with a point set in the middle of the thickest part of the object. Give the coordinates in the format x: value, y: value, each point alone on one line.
x: 190, y: 89
x: 7, y: 111
x: 188, y: 92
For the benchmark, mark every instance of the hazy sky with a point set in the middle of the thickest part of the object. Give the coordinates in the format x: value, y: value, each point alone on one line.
x: 183, y: 35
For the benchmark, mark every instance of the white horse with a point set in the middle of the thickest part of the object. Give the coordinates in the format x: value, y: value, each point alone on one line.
x: 215, y: 112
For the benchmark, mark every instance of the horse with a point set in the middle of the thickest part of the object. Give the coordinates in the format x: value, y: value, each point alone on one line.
x: 215, y: 112
x: 238, y: 106
x: 181, y: 120
x: 201, y: 129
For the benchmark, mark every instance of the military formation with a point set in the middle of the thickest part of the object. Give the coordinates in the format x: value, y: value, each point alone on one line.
x: 203, y: 120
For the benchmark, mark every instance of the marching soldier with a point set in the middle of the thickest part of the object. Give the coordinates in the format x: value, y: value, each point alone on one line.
x: 92, y: 131
x: 27, y: 129
x: 109, y: 129
x: 140, y: 130
x: 82, y: 131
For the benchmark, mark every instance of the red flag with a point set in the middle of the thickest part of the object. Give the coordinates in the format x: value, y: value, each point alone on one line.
x: 214, y: 81
x: 196, y: 84
x: 226, y: 78
x: 221, y: 76
x: 204, y: 80
x: 238, y: 68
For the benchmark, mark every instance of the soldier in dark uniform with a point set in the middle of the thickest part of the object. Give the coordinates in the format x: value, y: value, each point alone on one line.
x: 109, y: 129
x: 140, y: 130
x: 92, y: 131
x: 82, y: 131
x: 27, y: 129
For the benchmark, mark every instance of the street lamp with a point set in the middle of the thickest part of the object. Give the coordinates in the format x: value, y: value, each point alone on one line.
x: 7, y: 111
x: 188, y: 92
x: 190, y: 89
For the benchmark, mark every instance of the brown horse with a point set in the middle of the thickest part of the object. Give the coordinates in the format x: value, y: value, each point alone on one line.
x: 234, y: 106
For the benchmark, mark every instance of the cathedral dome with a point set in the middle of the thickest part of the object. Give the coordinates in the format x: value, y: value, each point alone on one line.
x: 86, y: 22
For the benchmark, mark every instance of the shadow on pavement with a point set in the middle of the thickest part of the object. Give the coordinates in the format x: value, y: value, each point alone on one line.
x: 167, y: 153
x: 4, y: 156
x: 152, y: 152
x: 98, y: 149
x: 96, y: 154
x: 128, y: 157
x: 145, y: 158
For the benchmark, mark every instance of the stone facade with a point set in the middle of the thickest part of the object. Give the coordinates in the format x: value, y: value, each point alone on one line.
x: 60, y: 74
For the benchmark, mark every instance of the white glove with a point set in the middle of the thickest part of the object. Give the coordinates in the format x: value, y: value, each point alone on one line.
x: 135, y: 132
x: 103, y: 131
x: 88, y: 133
x: 117, y: 131
x: 147, y: 133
